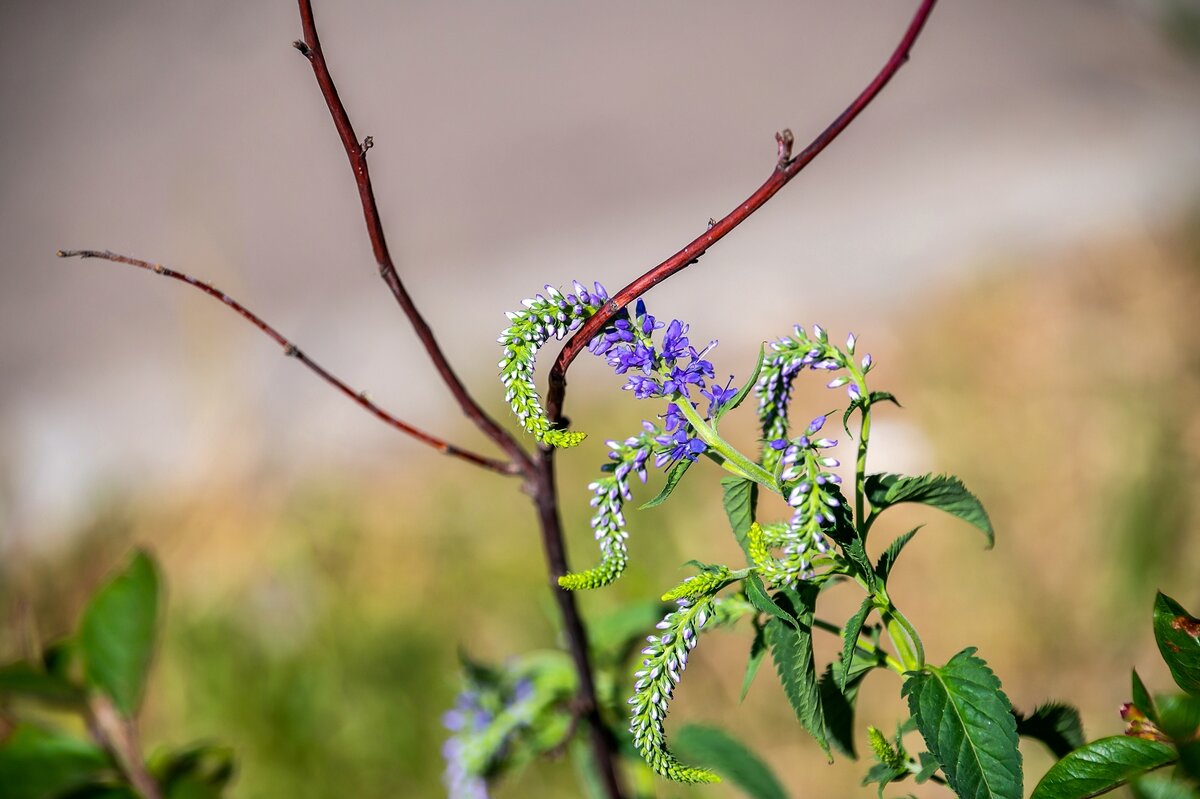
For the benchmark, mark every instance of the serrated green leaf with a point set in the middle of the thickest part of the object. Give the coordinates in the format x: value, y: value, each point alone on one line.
x: 758, y: 648
x: 851, y: 541
x: 740, y: 498
x: 38, y: 764
x: 729, y: 758
x: 24, y: 680
x: 1142, y: 699
x: 939, y: 491
x: 791, y: 649
x: 883, y: 568
x: 1100, y: 766
x: 838, y: 704
x: 968, y: 725
x: 1178, y: 635
x: 673, y: 478
x: 757, y: 594
x: 876, y: 396
x: 744, y: 391
x: 116, y: 635
x: 1055, y: 724
x: 850, y: 636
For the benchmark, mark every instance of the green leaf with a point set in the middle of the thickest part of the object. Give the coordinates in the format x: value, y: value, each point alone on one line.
x: 201, y: 771
x: 729, y: 758
x: 888, y: 559
x: 1100, y: 766
x: 838, y: 704
x: 740, y: 498
x: 1142, y: 699
x: 1161, y: 787
x: 936, y: 490
x: 1056, y: 725
x: 968, y: 725
x: 1179, y: 717
x: 673, y: 478
x: 614, y: 636
x: 757, y: 594
x: 744, y: 391
x: 116, y: 636
x: 24, y: 680
x: 875, y: 396
x: 758, y: 648
x: 1178, y: 636
x: 851, y: 541
x: 38, y: 764
x: 850, y: 636
x: 791, y: 649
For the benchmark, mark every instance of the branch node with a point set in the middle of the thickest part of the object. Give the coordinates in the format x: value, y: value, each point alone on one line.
x: 367, y: 144
x: 291, y: 351
x: 784, y: 141
x: 712, y: 223
x: 304, y: 49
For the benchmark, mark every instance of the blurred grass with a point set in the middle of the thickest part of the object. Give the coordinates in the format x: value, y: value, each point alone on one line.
x: 314, y: 626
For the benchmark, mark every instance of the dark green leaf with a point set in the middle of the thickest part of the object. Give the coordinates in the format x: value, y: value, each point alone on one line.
x: 757, y: 594
x: 23, y: 680
x: 1102, y: 765
x: 1178, y: 636
x: 1056, y: 725
x: 929, y: 767
x: 740, y: 497
x: 938, y: 491
x: 673, y: 478
x: 37, y: 764
x: 875, y: 396
x: 758, y: 648
x: 201, y: 771
x: 1142, y: 699
x: 838, y: 705
x: 744, y: 391
x: 850, y: 636
x: 116, y: 636
x: 791, y: 649
x: 729, y: 758
x: 968, y: 725
x: 848, y: 538
x: 888, y: 559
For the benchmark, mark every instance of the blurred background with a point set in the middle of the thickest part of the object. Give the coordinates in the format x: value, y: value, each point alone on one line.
x: 1012, y: 229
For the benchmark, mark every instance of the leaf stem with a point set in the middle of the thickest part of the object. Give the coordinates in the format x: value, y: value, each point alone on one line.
x: 865, y: 646
x: 741, y: 465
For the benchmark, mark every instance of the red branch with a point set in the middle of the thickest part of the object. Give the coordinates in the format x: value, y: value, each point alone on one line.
x: 356, y: 151
x: 786, y: 168
x: 293, y: 351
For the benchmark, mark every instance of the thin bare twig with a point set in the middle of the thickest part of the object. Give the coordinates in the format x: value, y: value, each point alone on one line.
x: 293, y: 351
x: 356, y: 152
x: 119, y: 736
x: 786, y: 168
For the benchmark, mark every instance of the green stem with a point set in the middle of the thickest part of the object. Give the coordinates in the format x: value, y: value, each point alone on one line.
x: 735, y: 461
x: 860, y: 466
x: 904, y: 637
x: 865, y: 646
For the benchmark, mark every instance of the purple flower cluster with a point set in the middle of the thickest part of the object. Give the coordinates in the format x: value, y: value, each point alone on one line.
x: 670, y: 368
x: 484, y: 721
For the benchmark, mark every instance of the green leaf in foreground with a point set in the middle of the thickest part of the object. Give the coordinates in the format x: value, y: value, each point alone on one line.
x: 729, y: 758
x: 850, y: 637
x: 744, y: 391
x: 791, y: 649
x: 116, y: 636
x: 758, y: 648
x: 1178, y: 636
x: 1142, y: 699
x: 1100, y: 766
x: 1056, y: 725
x: 756, y: 592
x: 936, y: 490
x: 888, y: 559
x: 673, y: 478
x: 740, y: 497
x: 968, y: 725
x: 37, y: 764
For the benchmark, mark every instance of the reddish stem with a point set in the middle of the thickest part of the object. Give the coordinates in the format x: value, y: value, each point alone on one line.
x: 292, y: 350
x: 356, y: 152
x: 786, y: 168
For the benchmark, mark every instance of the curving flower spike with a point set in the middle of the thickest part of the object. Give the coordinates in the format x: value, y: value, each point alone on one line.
x: 706, y: 582
x: 610, y: 492
x: 665, y: 659
x: 547, y: 316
